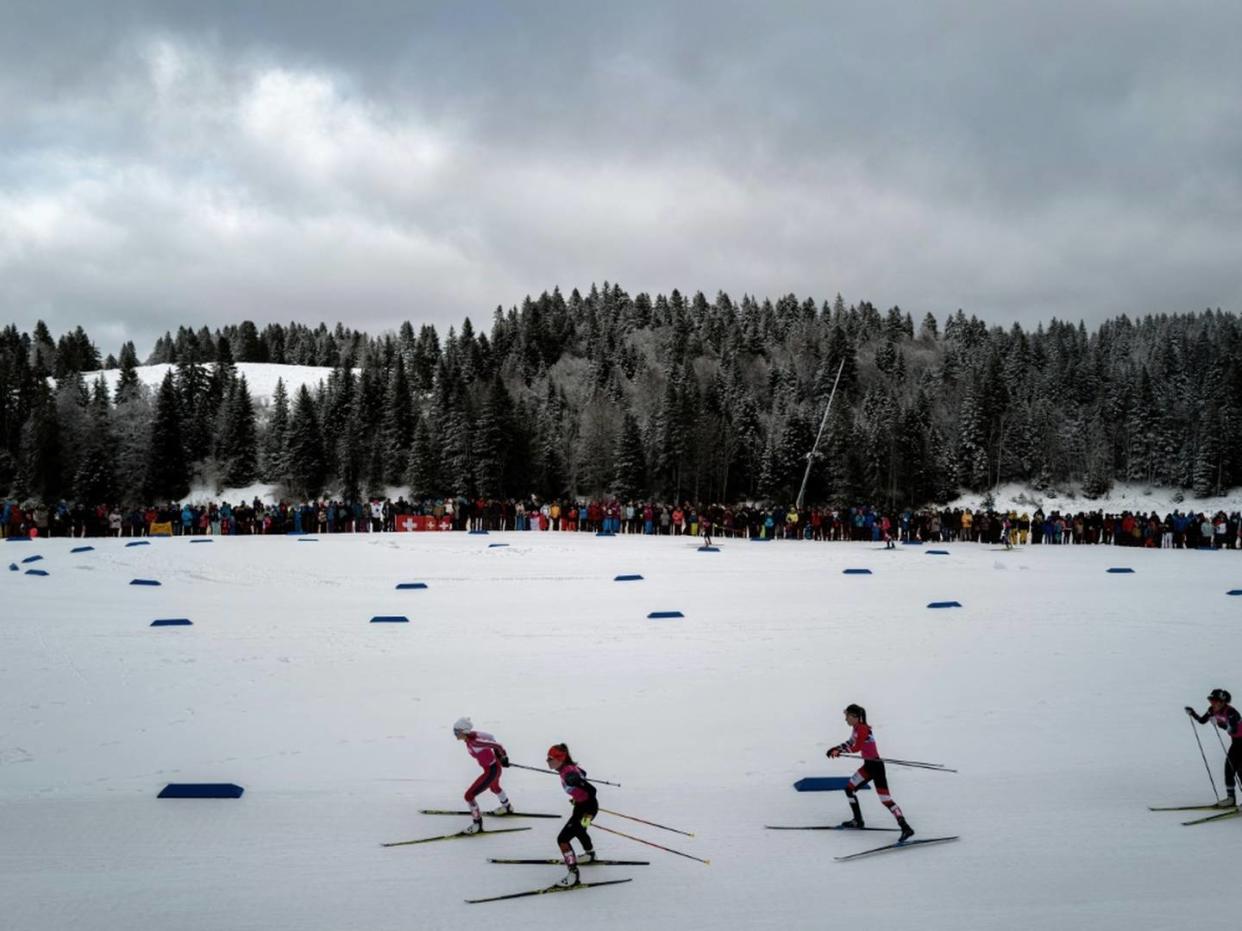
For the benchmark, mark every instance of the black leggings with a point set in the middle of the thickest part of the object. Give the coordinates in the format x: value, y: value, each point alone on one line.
x: 1233, y: 764
x: 573, y: 827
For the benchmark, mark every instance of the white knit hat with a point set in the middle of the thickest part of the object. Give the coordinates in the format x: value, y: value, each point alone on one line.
x: 462, y: 726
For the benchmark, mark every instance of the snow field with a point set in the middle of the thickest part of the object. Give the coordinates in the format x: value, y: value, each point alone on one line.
x: 1056, y: 689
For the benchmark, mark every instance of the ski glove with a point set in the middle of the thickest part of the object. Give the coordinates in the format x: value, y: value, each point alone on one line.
x: 833, y: 753
x: 585, y: 822
x: 1191, y: 711
x: 504, y: 760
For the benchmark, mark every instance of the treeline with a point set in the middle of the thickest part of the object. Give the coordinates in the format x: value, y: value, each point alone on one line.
x: 639, y: 397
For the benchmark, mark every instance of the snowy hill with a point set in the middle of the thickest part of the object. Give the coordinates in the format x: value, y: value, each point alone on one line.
x: 261, y: 377
x: 1056, y: 690
x: 1137, y: 499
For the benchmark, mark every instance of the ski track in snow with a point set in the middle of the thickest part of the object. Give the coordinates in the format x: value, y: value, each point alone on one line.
x: 1056, y: 689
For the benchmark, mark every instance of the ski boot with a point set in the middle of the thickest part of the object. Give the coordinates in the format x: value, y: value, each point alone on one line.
x: 907, y: 832
x: 587, y: 856
x: 855, y: 824
x: 570, y: 879
x: 1229, y: 802
x: 505, y: 809
x: 476, y: 827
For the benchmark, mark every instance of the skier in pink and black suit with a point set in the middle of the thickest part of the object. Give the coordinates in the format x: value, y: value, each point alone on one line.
x: 862, y: 742
x: 582, y: 797
x: 1228, y: 719
x: 489, y: 754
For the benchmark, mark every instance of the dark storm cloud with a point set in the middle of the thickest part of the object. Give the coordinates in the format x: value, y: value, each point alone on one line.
x: 171, y: 164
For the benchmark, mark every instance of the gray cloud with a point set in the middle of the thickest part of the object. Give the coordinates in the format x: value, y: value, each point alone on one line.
x: 303, y: 161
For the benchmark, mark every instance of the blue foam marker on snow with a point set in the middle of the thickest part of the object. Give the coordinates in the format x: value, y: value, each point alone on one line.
x: 17, y: 539
x: 824, y: 784
x: 659, y: 614
x: 13, y: 567
x: 604, y: 533
x: 390, y: 619
x: 36, y: 572
x: 709, y: 549
x: 639, y: 578
x: 296, y: 533
x: 82, y: 549
x: 856, y: 572
x: 138, y: 543
x: 1236, y: 591
x: 1121, y: 569
x: 937, y: 553
x: 760, y: 539
x: 35, y: 558
x: 402, y: 586
x: 945, y: 604
x: 143, y: 582
x: 202, y: 540
x: 477, y: 532
x: 492, y: 546
x: 911, y: 542
x: 308, y: 540
x: 172, y: 622
x: 201, y: 790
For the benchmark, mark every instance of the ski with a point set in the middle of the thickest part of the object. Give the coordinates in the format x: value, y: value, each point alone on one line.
x: 898, y: 846
x: 1205, y: 807
x: 512, y: 814
x: 1222, y: 816
x: 548, y: 889
x: 822, y: 827
x: 428, y: 840
x: 553, y: 862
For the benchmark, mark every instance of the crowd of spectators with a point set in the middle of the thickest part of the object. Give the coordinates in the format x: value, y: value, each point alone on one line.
x: 946, y: 525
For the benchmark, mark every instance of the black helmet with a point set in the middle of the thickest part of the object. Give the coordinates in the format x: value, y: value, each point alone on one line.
x: 1220, y: 695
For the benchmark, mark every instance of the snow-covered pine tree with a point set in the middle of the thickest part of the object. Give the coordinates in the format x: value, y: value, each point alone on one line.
x: 307, y: 462
x: 94, y: 482
x: 242, y: 462
x: 167, y: 472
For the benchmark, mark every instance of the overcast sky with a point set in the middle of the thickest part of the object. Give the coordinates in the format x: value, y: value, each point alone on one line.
x: 165, y: 164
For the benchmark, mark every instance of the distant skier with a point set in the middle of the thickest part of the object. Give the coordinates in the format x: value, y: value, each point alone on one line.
x: 863, y: 742
x: 1228, y: 719
x: 582, y: 796
x: 489, y: 754
x: 1006, y: 537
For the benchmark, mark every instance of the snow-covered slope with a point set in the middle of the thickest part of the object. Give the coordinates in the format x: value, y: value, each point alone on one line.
x: 261, y: 377
x: 1056, y: 689
x: 1137, y: 499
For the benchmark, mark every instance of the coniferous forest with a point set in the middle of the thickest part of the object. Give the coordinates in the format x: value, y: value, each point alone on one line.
x: 670, y: 398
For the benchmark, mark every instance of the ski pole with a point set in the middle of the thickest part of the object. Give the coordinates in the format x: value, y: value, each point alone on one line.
x: 913, y: 764
x: 1215, y: 794
x: 664, y: 827
x: 550, y: 772
x: 649, y: 843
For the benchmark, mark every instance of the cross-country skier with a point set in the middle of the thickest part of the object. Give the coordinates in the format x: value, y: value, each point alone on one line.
x: 582, y: 796
x: 489, y: 754
x: 863, y: 742
x: 1228, y: 719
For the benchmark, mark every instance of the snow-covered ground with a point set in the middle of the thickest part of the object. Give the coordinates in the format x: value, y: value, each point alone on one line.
x: 261, y: 378
x: 1137, y: 499
x: 1056, y: 690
